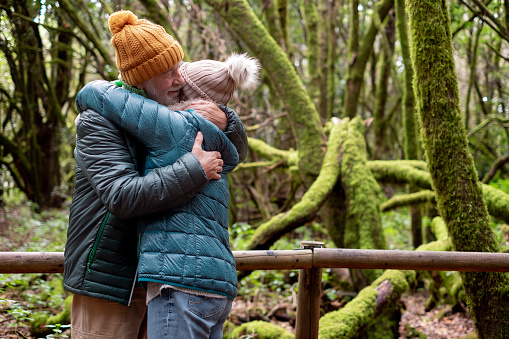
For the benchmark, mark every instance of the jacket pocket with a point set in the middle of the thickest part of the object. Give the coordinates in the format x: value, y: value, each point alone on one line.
x: 98, y: 236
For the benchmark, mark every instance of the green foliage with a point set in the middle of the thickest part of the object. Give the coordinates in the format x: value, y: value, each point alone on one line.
x: 30, y: 231
x: 267, y: 282
x: 240, y: 234
x: 57, y: 331
x: 397, y: 228
x: 397, y: 225
x: 14, y: 308
x: 501, y: 184
x: 29, y: 297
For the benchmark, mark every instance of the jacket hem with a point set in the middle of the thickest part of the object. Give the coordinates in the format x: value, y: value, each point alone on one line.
x: 96, y: 295
x: 185, y: 286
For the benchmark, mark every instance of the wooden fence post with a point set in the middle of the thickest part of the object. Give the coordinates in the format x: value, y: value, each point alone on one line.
x: 309, y: 298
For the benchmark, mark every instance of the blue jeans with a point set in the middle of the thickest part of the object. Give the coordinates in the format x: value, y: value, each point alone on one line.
x: 175, y: 314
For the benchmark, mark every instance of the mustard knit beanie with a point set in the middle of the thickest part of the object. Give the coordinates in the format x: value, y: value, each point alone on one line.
x: 143, y: 49
x: 217, y: 81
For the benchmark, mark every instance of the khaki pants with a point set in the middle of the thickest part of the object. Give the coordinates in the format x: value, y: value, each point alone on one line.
x: 93, y: 318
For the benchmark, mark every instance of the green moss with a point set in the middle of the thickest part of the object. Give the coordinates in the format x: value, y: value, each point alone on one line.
x: 384, y: 326
x: 412, y: 332
x: 362, y: 310
x: 349, y: 320
x: 262, y: 329
x: 497, y: 202
x: 471, y: 335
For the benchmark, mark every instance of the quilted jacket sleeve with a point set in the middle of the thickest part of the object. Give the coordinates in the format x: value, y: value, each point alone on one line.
x: 103, y: 154
x: 236, y: 132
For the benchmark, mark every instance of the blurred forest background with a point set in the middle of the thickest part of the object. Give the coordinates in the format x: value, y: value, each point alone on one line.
x: 374, y: 125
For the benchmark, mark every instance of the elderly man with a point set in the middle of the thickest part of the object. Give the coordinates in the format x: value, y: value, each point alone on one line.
x: 100, y: 255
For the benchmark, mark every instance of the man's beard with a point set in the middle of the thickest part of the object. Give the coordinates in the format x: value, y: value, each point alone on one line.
x: 163, y: 98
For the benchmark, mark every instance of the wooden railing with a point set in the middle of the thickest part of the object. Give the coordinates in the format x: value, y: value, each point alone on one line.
x: 310, y: 259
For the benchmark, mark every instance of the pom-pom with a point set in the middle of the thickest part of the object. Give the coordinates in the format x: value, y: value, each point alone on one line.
x: 243, y: 70
x: 118, y: 20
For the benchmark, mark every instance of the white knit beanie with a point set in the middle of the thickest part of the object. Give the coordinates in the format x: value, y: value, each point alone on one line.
x: 217, y: 81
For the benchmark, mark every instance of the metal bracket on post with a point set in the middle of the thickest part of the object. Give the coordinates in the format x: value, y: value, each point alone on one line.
x: 309, y: 298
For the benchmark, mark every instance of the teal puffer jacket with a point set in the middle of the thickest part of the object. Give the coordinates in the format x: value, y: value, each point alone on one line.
x: 187, y: 246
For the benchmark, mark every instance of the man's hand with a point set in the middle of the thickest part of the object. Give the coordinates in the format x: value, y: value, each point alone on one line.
x: 210, y: 161
x: 211, y: 112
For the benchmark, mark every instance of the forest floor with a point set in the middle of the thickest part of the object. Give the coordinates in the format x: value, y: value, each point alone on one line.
x: 440, y: 323
x: 259, y: 303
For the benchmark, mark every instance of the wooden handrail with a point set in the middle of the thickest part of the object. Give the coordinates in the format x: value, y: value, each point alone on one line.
x: 52, y: 262
x: 411, y: 260
x: 310, y: 260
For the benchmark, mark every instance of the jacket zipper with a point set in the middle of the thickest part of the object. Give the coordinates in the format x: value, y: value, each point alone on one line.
x: 96, y: 242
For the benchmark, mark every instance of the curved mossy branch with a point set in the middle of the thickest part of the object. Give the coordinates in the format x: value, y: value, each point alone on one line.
x: 349, y: 321
x: 416, y: 198
x: 451, y: 166
x: 442, y: 243
x: 303, y: 116
x: 305, y: 210
x: 266, y: 151
x: 399, y: 173
x: 496, y: 200
x: 258, y: 164
x: 417, y: 164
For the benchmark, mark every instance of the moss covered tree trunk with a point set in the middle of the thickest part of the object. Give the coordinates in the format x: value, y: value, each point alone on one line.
x: 332, y: 38
x: 412, y: 149
x: 323, y: 65
x: 381, y: 120
x: 358, y: 56
x: 303, y: 116
x: 356, y: 221
x: 274, y: 23
x: 453, y: 174
x: 310, y: 12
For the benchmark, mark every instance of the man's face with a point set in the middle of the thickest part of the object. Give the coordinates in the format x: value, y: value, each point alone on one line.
x: 164, y: 88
